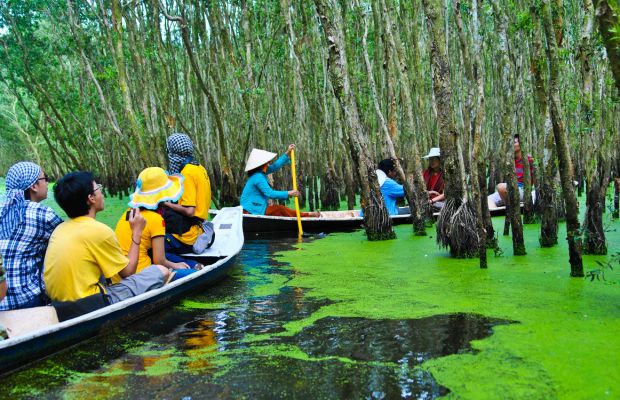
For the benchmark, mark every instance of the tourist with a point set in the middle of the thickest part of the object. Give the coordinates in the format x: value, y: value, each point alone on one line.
x: 153, y: 188
x: 257, y: 191
x: 25, y: 229
x: 81, y: 250
x: 433, y: 178
x: 499, y: 196
x: 3, y: 332
x: 186, y: 230
x: 390, y: 189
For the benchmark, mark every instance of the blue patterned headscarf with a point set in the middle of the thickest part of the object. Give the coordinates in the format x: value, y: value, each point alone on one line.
x: 19, y: 178
x: 180, y: 152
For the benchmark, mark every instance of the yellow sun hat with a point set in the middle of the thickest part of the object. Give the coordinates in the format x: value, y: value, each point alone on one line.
x: 154, y: 186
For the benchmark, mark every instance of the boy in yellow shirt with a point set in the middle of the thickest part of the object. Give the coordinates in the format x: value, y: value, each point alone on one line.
x: 81, y: 250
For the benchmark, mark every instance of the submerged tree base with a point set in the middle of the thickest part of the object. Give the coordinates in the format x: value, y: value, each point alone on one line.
x: 595, y: 248
x: 381, y: 236
x: 548, y: 241
x: 456, y: 229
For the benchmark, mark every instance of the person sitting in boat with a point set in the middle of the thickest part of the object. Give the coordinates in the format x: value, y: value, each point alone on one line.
x: 153, y: 188
x: 501, y: 191
x: 257, y: 191
x: 82, y: 249
x: 25, y: 228
x: 185, y: 228
x: 3, y: 332
x: 433, y: 178
x: 390, y: 189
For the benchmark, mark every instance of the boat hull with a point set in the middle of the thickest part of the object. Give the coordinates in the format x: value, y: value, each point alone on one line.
x: 16, y: 352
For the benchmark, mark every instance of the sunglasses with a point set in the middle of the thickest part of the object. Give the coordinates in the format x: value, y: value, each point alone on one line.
x: 45, y: 178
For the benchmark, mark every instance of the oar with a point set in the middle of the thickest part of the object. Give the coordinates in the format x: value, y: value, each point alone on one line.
x: 301, y: 232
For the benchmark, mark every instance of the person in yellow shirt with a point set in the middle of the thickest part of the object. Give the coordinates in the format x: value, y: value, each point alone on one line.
x: 81, y: 250
x: 153, y: 188
x: 184, y: 219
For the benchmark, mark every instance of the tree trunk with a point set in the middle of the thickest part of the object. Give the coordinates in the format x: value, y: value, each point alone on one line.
x: 608, y: 21
x: 377, y: 222
x: 513, y: 204
x: 456, y: 223
x: 562, y: 147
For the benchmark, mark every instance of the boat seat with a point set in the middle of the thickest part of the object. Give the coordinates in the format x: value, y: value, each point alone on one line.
x: 225, y: 236
x: 21, y: 322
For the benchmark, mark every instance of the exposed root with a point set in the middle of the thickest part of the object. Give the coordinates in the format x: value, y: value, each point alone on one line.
x: 456, y: 229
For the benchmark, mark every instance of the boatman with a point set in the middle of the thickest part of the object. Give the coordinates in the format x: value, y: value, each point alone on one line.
x: 81, y: 250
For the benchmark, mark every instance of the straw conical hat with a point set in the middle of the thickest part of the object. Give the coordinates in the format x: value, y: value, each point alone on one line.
x: 154, y: 186
x: 257, y: 158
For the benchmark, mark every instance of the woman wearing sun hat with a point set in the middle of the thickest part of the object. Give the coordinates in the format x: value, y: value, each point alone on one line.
x: 433, y: 178
x: 257, y: 191
x: 153, y: 188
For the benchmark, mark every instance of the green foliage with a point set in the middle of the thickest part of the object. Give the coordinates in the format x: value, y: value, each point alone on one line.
x: 524, y: 22
x: 599, y: 273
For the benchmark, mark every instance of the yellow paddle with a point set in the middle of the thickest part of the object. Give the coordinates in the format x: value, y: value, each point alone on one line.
x: 301, y: 232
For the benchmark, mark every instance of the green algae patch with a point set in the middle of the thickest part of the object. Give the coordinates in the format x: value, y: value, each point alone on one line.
x: 564, y: 346
x: 199, y: 305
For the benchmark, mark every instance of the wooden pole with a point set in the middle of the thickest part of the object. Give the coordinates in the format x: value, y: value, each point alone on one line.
x: 294, y: 173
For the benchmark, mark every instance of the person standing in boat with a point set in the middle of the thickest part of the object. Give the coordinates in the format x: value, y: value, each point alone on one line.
x: 82, y: 249
x: 257, y: 190
x: 25, y: 228
x: 390, y: 189
x: 433, y: 178
x: 185, y: 228
x: 153, y: 188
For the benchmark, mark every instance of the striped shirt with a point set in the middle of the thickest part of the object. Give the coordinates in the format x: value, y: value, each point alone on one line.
x: 23, y: 255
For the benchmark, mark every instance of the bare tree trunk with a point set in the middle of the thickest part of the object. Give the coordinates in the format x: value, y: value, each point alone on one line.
x: 415, y: 191
x: 608, y: 21
x: 456, y: 226
x: 473, y: 73
x: 513, y: 205
x: 377, y: 222
x: 229, y: 189
x: 419, y: 227
x: 562, y: 147
x: 594, y: 234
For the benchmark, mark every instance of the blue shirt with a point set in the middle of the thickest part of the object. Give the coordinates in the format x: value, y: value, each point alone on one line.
x: 258, y: 191
x: 23, y: 255
x: 391, y: 192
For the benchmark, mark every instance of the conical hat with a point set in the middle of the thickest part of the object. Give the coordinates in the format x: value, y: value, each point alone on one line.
x: 155, y: 186
x: 257, y: 158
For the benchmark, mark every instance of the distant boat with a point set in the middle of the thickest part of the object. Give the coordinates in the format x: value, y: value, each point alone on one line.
x: 35, y: 333
x: 329, y: 221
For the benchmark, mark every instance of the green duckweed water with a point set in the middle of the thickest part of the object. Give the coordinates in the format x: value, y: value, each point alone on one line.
x: 342, y: 317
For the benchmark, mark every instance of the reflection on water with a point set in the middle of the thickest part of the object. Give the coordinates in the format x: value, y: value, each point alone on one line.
x: 202, y: 352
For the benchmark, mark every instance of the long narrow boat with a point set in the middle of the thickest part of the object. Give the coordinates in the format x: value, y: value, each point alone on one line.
x: 329, y: 221
x: 36, y: 333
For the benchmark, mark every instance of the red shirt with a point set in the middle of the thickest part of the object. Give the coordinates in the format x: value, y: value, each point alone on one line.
x: 519, y: 165
x: 434, y: 180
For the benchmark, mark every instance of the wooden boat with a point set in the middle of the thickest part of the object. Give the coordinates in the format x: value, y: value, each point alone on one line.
x: 329, y: 221
x: 35, y: 333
